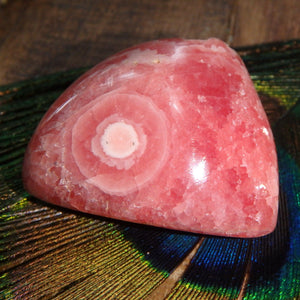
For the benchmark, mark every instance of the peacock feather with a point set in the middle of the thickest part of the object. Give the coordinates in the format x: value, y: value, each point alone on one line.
x: 48, y: 252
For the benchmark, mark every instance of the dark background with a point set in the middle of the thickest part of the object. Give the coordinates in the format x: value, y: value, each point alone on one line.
x: 39, y: 37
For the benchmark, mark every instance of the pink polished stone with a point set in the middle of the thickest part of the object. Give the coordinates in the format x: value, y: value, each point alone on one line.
x: 169, y: 133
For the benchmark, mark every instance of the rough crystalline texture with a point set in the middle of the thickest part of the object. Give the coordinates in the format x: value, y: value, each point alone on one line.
x: 169, y: 133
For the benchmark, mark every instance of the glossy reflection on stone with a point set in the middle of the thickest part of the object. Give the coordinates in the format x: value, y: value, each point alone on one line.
x: 169, y: 133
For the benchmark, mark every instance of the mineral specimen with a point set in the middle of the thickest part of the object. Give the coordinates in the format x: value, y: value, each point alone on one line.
x: 169, y: 133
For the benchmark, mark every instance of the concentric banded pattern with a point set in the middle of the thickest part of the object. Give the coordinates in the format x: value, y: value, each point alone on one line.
x: 51, y: 253
x: 111, y: 109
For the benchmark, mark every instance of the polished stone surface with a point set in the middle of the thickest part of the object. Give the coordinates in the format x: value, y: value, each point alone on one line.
x: 168, y: 133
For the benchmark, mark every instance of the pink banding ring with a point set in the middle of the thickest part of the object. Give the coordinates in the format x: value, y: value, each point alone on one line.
x: 113, y: 148
x: 120, y: 142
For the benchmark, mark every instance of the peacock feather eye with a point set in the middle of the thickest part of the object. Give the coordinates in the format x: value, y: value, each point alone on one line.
x: 52, y: 252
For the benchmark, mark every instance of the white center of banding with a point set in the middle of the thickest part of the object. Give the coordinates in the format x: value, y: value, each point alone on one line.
x: 119, y: 140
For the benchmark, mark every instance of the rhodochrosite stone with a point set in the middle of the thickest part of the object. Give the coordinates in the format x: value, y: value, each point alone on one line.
x: 168, y: 133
